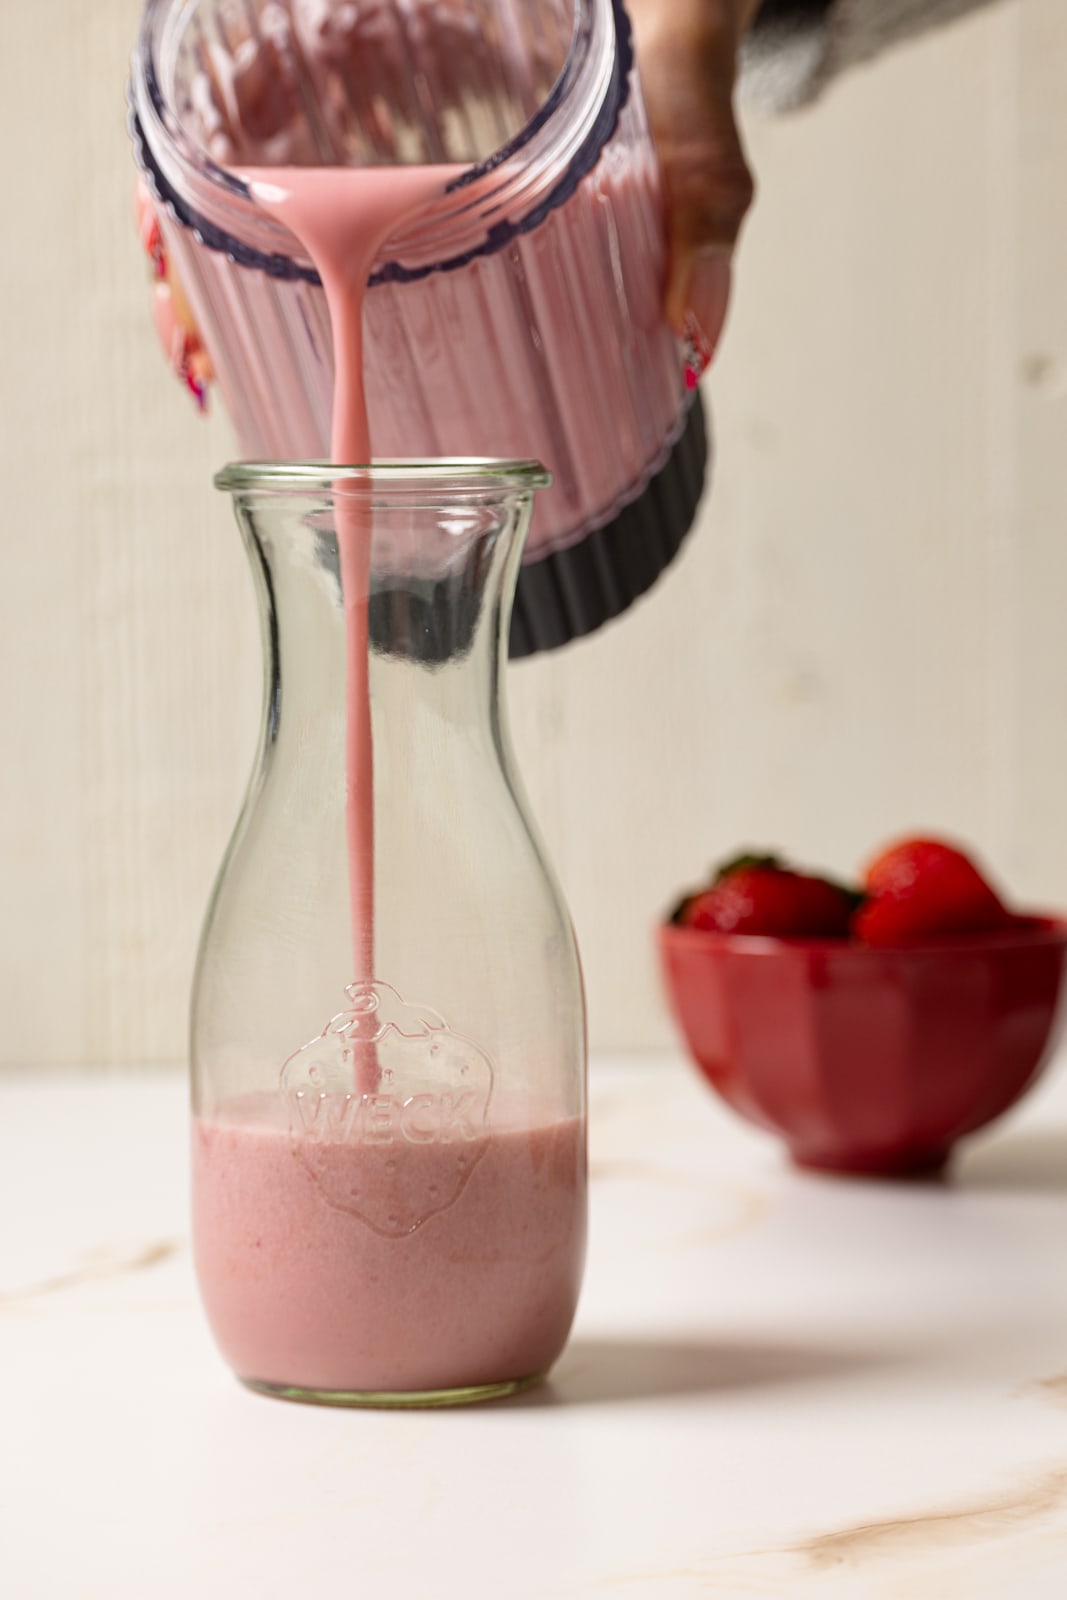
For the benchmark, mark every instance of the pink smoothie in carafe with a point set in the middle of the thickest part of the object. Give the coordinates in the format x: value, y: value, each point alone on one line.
x: 324, y: 1266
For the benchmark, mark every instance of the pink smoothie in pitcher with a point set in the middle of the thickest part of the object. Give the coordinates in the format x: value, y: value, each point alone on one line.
x: 305, y: 1285
x: 521, y: 316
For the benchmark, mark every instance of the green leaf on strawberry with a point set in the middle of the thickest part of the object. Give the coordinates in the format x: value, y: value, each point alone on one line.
x: 757, y: 894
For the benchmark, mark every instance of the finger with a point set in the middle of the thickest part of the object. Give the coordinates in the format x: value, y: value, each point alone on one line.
x: 706, y: 300
x: 688, y: 62
x: 708, y: 191
x: 148, y: 229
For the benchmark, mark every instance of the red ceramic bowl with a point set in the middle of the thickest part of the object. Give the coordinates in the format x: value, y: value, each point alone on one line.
x: 862, y: 1060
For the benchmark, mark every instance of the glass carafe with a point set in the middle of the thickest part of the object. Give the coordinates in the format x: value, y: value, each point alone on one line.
x: 388, y: 1043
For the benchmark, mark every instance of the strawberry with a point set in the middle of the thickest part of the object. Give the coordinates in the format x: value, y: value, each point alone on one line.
x: 922, y: 889
x: 758, y: 895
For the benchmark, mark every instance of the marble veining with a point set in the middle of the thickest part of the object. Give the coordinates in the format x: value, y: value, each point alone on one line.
x: 100, y: 1266
x: 1052, y: 1389
x: 891, y: 1541
x: 976, y: 1520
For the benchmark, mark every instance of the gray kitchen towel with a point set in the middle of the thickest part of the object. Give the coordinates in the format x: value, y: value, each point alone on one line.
x: 796, y: 47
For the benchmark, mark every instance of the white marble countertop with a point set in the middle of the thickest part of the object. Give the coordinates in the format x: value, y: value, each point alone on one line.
x: 777, y: 1384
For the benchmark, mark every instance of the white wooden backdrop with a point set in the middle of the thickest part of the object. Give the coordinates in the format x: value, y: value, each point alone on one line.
x: 867, y: 633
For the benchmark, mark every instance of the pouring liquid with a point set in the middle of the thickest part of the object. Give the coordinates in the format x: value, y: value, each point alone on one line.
x: 342, y: 216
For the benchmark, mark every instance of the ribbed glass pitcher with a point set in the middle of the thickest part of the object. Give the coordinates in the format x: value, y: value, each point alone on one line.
x: 520, y: 315
x: 388, y: 1044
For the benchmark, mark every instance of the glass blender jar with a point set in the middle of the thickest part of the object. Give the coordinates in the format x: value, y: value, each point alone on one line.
x: 519, y: 316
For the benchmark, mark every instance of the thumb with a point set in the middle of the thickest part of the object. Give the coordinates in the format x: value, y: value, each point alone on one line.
x: 687, y: 57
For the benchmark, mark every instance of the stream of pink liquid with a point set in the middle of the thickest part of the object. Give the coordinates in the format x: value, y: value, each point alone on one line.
x: 342, y: 216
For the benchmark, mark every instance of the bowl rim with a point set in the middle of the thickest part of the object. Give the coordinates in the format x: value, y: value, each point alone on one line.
x: 1033, y: 929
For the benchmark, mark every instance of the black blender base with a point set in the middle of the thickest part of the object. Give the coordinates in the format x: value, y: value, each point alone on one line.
x: 573, y: 592
x: 566, y: 595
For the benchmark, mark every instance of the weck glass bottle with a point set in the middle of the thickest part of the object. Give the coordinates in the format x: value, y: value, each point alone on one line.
x: 388, y: 1043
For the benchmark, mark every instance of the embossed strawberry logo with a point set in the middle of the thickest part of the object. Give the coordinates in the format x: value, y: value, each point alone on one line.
x: 387, y: 1109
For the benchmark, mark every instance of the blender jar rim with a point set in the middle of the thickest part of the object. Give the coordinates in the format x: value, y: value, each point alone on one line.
x: 207, y: 182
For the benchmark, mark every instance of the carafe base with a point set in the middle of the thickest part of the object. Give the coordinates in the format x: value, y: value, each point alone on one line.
x: 395, y: 1399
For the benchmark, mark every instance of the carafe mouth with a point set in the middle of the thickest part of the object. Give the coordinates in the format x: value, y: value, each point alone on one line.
x: 509, y: 192
x: 450, y: 475
x: 429, y: 550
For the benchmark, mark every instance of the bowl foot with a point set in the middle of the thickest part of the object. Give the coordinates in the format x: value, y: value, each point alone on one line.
x: 882, y: 1164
